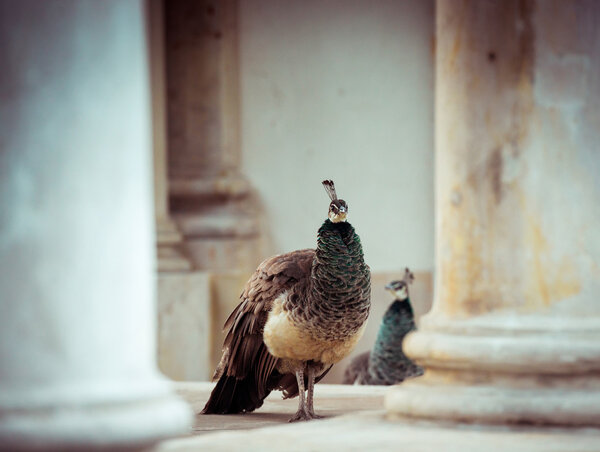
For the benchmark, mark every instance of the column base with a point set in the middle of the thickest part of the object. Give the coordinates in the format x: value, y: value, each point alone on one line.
x: 220, y: 220
x: 170, y: 258
x: 130, y: 425
x: 185, y: 325
x: 494, y: 404
x: 224, y: 254
x: 505, y: 370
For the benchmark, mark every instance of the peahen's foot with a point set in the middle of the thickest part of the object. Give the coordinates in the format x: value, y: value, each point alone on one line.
x: 302, y: 415
x: 315, y: 416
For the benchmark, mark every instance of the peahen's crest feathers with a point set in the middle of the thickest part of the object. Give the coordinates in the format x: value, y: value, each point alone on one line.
x: 330, y: 189
x: 408, y: 276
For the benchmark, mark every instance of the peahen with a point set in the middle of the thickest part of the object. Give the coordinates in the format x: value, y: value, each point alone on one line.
x: 301, y: 312
x: 386, y: 363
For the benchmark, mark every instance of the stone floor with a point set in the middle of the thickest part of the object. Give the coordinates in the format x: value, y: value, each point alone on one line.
x: 330, y: 401
x: 355, y: 421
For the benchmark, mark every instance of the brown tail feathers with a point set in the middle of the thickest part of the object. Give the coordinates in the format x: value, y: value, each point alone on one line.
x: 233, y: 395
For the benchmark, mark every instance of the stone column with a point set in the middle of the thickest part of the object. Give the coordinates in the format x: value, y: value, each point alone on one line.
x: 168, y: 238
x: 211, y: 200
x: 184, y: 299
x: 514, y: 333
x: 77, y: 310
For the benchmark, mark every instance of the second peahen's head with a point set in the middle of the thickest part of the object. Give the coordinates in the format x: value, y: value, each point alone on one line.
x: 338, y: 209
x: 399, y: 288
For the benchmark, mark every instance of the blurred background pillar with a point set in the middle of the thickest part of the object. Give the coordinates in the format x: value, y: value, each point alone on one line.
x: 514, y: 333
x: 211, y: 200
x: 77, y: 310
x: 168, y: 238
x: 184, y: 300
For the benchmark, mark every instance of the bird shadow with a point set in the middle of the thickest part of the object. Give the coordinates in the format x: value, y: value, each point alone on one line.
x: 211, y: 422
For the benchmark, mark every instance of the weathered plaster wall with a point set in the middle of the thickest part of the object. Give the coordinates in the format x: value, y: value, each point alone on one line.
x: 341, y: 90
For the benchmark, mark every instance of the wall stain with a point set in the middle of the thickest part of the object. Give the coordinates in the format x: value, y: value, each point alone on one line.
x: 550, y: 281
x: 494, y: 168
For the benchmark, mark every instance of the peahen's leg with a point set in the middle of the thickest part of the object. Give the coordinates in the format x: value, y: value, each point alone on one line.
x: 310, y: 396
x: 302, y: 413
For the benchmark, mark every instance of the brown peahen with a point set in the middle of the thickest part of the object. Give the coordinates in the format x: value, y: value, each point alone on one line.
x: 301, y: 312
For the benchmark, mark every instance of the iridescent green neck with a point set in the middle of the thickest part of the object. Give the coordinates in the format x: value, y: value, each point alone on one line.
x: 387, y: 357
x: 340, y: 279
x: 339, y: 266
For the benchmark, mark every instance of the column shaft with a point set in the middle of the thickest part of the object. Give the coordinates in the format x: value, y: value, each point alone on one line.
x: 77, y: 308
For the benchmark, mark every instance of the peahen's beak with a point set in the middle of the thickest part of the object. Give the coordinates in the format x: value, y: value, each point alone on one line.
x: 339, y: 217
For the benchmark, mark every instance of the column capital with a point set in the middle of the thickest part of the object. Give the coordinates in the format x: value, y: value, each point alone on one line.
x: 524, y: 344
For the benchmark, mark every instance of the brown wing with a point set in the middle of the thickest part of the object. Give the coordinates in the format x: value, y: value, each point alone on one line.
x: 243, y: 348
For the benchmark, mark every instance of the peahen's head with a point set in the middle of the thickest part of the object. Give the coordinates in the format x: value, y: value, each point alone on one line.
x: 338, y: 209
x: 399, y: 288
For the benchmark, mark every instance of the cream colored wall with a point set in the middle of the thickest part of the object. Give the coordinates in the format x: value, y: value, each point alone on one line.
x: 341, y: 90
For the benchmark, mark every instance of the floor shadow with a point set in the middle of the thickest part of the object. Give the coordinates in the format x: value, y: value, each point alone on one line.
x: 205, y: 423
